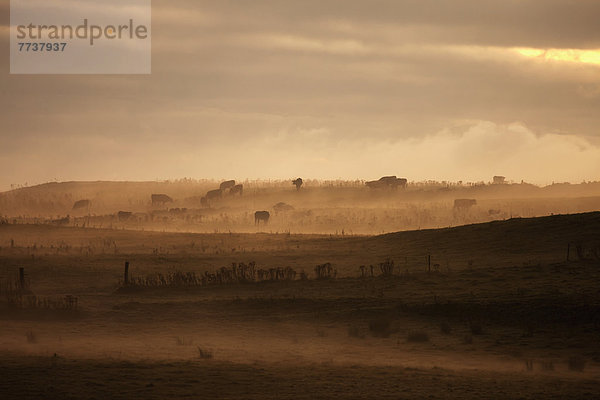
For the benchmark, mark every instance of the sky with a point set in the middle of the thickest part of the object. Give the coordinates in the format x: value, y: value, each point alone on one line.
x: 273, y: 89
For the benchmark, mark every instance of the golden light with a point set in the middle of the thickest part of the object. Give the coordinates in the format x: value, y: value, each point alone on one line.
x: 564, y: 55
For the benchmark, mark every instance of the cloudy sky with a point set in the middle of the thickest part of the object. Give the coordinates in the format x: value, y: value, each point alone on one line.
x: 458, y: 90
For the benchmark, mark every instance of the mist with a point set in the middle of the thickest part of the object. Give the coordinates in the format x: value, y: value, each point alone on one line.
x: 317, y: 199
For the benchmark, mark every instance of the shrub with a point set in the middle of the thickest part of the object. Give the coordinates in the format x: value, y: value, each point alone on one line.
x: 576, y: 363
x: 205, y: 354
x: 321, y: 332
x: 354, y: 331
x: 476, y: 328
x: 387, y: 267
x: 548, y: 366
x: 181, y: 341
x: 417, y: 337
x: 445, y: 328
x: 31, y: 337
x: 380, y: 327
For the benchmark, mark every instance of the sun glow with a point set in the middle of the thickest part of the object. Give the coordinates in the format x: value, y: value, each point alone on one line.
x: 565, y: 55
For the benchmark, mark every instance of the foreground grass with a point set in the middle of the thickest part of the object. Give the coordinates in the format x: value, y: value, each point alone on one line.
x: 57, y: 378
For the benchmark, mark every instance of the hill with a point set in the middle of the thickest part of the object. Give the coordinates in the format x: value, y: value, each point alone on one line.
x: 515, y: 241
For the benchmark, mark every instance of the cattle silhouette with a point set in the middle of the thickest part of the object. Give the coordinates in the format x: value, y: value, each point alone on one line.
x: 160, y: 199
x: 79, y: 204
x: 237, y: 189
x: 214, y: 194
x: 204, y: 202
x: 227, y: 185
x: 124, y: 215
x: 464, y: 203
x: 499, y: 180
x: 298, y: 183
x: 261, y: 216
x: 387, y: 182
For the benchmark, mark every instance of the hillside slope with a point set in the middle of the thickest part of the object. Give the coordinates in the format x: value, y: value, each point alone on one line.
x: 525, y: 241
x: 517, y: 240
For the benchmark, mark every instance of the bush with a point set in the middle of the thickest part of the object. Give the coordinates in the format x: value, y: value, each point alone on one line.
x: 354, y: 331
x: 31, y: 337
x: 380, y: 327
x: 181, y: 341
x: 445, y: 328
x: 476, y: 328
x: 321, y: 332
x: 576, y: 363
x: 417, y: 337
x: 205, y: 354
x: 547, y: 366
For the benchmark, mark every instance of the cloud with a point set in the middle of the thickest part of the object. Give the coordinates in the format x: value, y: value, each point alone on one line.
x: 311, y: 86
x: 472, y: 152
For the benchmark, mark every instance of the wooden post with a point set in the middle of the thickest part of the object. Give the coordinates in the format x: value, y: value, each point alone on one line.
x: 126, y: 274
x: 568, y: 250
x: 22, y: 278
x: 429, y: 262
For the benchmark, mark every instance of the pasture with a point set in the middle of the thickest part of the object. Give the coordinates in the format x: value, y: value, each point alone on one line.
x: 496, y: 308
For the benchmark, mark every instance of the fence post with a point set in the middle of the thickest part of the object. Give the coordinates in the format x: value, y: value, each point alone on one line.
x: 126, y: 274
x: 568, y: 250
x: 428, y: 262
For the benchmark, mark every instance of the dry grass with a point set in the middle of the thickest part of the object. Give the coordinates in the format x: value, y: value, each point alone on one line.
x: 274, y: 321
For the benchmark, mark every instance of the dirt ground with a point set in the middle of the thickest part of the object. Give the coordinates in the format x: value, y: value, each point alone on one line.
x: 483, y: 311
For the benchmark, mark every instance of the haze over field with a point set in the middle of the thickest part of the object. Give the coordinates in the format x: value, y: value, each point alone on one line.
x: 337, y: 89
x: 307, y: 199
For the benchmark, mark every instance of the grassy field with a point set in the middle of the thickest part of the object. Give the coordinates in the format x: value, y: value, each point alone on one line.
x: 491, y: 310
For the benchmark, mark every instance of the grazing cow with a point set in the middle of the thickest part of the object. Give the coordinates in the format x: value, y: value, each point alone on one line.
x: 204, y: 202
x: 464, y: 203
x: 298, y: 183
x: 214, y: 194
x: 387, y: 182
x: 123, y: 215
x: 237, y: 189
x: 79, y: 204
x: 261, y: 216
x: 160, y: 199
x: 499, y: 180
x: 401, y: 182
x: 373, y: 184
x: 227, y: 185
x: 282, y: 207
